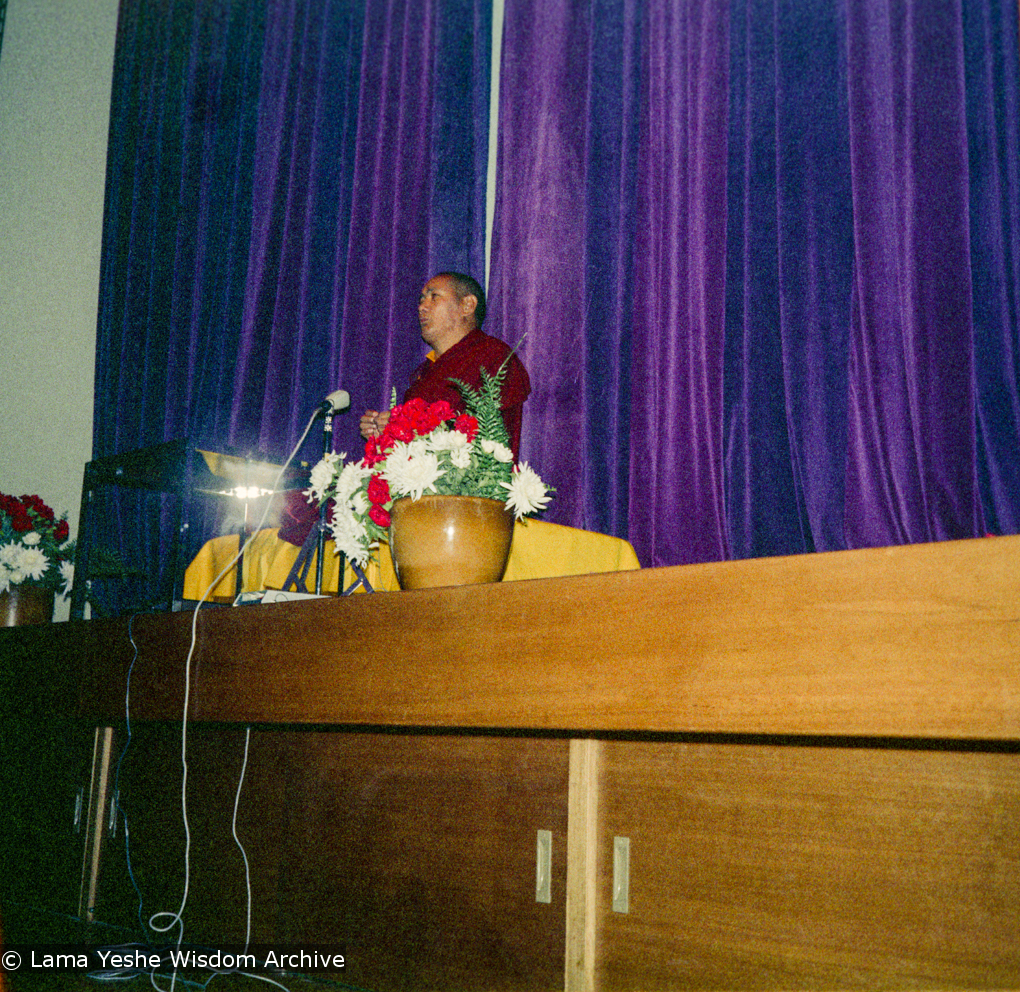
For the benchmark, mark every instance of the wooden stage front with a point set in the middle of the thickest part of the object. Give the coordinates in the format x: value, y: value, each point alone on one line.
x: 815, y: 761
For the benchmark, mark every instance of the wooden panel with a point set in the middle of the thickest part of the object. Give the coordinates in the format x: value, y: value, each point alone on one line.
x: 419, y: 854
x: 149, y: 784
x: 44, y: 768
x: 914, y: 641
x: 785, y: 867
x: 44, y: 772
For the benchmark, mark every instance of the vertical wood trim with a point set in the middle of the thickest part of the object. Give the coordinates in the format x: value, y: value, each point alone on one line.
x: 582, y: 866
x: 95, y: 821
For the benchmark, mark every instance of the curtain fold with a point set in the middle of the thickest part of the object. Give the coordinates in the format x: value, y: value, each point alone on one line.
x: 371, y: 120
x: 911, y: 473
x: 537, y: 286
x: 614, y: 81
x: 178, y: 216
x: 676, y: 486
x: 993, y: 131
x: 789, y: 260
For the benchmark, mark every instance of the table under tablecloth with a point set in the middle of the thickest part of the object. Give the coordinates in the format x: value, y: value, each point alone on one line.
x: 540, y: 550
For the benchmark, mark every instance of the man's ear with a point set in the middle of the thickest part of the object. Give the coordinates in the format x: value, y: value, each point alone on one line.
x: 468, y: 304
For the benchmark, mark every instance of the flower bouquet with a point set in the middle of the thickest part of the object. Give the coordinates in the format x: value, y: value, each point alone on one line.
x: 34, y: 550
x: 425, y: 449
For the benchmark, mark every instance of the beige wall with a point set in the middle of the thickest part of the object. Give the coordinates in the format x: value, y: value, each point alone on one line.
x: 56, y: 66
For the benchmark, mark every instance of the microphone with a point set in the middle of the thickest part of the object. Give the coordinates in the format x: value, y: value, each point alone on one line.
x: 337, y: 400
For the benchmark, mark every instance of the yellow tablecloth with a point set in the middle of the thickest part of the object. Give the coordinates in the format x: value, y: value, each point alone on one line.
x: 540, y: 550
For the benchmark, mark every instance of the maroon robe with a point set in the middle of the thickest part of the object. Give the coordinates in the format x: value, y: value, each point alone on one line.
x: 465, y: 361
x: 430, y: 382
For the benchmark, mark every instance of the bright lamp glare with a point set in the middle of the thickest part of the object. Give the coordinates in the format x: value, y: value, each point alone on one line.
x: 250, y: 492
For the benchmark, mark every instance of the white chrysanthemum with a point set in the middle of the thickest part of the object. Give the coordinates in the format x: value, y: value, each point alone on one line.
x: 349, y: 535
x: 498, y: 451
x: 461, y: 457
x: 410, y: 469
x: 10, y: 559
x: 32, y: 563
x: 527, y: 493
x: 443, y: 439
x: 350, y: 479
x: 32, y: 538
x: 67, y: 575
x: 414, y: 448
x: 10, y: 554
x: 5, y: 578
x: 321, y: 477
x: 359, y: 502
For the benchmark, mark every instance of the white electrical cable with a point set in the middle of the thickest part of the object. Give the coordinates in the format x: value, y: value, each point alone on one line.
x: 177, y: 919
x: 237, y: 840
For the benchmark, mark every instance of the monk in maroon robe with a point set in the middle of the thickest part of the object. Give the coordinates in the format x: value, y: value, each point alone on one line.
x: 450, y: 312
x: 451, y: 308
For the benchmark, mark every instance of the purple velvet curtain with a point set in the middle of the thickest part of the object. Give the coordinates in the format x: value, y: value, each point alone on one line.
x: 911, y: 473
x: 766, y: 257
x: 370, y: 173
x: 993, y: 129
x: 282, y: 178
x: 763, y: 257
x: 679, y: 284
x: 788, y: 276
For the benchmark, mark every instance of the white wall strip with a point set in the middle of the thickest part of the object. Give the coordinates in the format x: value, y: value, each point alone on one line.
x: 490, y: 179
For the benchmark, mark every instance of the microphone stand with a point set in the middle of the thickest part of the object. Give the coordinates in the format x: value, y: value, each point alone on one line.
x: 320, y: 549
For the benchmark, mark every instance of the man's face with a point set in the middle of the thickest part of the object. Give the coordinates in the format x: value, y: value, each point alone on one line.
x: 441, y: 315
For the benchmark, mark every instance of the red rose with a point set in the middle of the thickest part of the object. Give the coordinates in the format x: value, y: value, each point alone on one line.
x: 414, y: 418
x: 378, y: 490
x: 379, y: 515
x: 61, y: 532
x: 35, y: 503
x: 372, y: 453
x: 21, y: 521
x: 441, y: 411
x: 466, y: 424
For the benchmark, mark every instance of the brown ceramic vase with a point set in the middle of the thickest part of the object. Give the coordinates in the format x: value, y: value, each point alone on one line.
x: 22, y: 605
x: 449, y: 540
